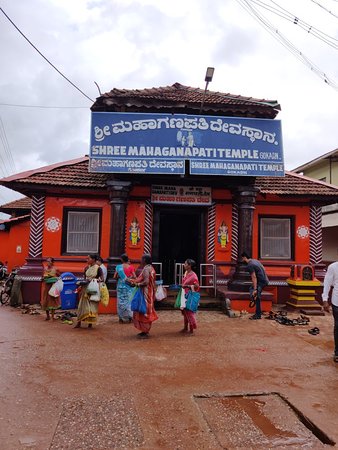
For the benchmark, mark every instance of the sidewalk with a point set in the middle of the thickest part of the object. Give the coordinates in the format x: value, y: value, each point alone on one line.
x: 65, y: 388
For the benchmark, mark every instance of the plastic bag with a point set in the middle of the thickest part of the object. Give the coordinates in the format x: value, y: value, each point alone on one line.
x: 93, y: 288
x: 160, y: 293
x: 104, y: 293
x: 138, y: 302
x: 193, y: 300
x: 56, y: 288
x: 180, y: 299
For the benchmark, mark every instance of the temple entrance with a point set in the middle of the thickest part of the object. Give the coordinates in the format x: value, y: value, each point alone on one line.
x: 179, y: 233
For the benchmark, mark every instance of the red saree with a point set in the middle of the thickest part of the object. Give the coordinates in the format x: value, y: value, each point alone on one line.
x: 190, y: 279
x: 146, y: 280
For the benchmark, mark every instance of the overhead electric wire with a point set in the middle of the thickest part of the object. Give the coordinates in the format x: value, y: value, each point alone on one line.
x: 324, y: 7
x: 42, y: 106
x: 44, y: 57
x: 286, y: 43
x: 293, y: 18
x: 6, y: 146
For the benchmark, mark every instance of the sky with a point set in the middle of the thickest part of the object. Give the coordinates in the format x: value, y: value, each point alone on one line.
x: 136, y: 44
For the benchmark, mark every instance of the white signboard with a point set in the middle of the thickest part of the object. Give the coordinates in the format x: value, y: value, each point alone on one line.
x: 181, y: 195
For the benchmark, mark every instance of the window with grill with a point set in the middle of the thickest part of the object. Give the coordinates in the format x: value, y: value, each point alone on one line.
x: 275, y: 238
x: 81, y: 232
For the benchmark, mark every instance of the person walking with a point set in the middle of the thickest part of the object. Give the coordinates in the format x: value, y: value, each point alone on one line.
x: 189, y: 282
x: 49, y: 303
x: 145, y: 281
x: 331, y: 280
x: 87, y: 310
x: 259, y: 280
x: 123, y: 273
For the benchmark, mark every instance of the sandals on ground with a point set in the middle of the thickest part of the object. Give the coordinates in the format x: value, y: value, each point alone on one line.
x: 314, y: 331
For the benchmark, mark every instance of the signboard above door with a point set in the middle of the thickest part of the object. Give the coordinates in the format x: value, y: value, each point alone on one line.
x: 161, y: 143
x: 181, y: 195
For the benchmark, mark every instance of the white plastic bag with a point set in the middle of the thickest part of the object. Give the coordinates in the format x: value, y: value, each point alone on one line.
x: 93, y: 288
x: 160, y: 293
x: 93, y: 291
x: 183, y: 299
x: 56, y: 288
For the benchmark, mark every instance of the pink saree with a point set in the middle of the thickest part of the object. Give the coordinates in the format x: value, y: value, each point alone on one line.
x: 190, y: 279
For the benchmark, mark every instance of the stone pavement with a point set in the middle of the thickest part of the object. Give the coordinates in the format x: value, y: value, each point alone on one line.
x: 65, y: 388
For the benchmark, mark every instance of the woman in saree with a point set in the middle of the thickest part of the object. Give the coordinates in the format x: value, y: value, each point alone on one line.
x: 124, y: 271
x: 189, y: 282
x: 146, y: 281
x: 49, y: 303
x: 87, y: 310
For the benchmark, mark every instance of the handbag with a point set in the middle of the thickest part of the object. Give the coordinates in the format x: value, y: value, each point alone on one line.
x: 193, y: 300
x: 93, y: 288
x: 138, y: 302
x: 160, y: 293
x: 56, y: 288
x: 180, y: 299
x: 104, y: 294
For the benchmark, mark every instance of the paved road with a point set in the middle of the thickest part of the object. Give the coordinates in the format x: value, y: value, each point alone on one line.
x: 65, y: 388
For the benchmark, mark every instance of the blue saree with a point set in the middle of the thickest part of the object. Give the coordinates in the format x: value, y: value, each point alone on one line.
x: 123, y: 295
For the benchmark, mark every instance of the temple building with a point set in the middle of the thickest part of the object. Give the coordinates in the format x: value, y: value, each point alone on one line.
x: 164, y: 177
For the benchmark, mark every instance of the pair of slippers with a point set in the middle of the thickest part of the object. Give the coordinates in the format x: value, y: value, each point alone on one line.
x: 314, y: 331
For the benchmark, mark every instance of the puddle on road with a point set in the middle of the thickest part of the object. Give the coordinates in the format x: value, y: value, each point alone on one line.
x: 265, y: 421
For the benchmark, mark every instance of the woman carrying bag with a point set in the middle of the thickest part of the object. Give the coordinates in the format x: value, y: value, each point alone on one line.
x: 190, y: 284
x: 87, y: 310
x: 146, y: 282
x: 124, y: 271
x: 50, y: 303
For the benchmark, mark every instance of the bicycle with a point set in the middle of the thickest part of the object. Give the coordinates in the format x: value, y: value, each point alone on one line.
x: 6, y: 287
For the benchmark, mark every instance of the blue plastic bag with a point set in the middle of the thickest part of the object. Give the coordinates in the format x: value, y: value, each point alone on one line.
x: 193, y: 301
x: 138, y: 302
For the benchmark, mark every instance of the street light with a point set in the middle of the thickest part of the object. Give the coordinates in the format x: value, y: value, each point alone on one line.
x: 208, y: 78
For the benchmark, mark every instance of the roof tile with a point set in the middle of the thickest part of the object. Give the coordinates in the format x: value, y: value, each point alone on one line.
x: 184, y: 96
x: 21, y: 203
x: 75, y: 175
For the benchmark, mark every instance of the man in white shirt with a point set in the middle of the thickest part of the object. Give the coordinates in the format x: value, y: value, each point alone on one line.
x: 331, y: 280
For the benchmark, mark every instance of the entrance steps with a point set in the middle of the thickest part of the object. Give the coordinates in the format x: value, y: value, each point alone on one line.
x: 207, y: 302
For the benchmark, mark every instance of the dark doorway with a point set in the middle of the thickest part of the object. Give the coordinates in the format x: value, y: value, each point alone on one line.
x: 179, y: 233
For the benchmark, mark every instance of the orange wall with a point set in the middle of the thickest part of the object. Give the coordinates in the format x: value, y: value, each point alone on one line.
x: 135, y: 209
x: 12, y: 241
x: 301, y: 216
x: 223, y: 249
x: 52, y: 240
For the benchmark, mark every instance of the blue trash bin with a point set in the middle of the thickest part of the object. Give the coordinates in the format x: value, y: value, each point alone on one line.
x: 68, y: 296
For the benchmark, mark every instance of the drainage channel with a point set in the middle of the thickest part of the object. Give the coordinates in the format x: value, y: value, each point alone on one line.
x: 267, y: 420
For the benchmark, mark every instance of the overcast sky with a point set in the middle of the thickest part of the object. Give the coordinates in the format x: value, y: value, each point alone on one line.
x: 145, y: 43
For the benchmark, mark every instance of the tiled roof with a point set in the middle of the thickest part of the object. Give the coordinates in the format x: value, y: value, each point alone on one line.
x: 181, y: 97
x: 74, y: 174
x: 295, y: 185
x: 13, y: 220
x: 21, y: 203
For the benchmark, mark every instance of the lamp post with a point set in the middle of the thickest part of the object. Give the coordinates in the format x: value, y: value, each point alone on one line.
x: 208, y: 78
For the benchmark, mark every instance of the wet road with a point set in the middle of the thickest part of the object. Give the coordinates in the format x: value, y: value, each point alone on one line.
x: 65, y: 388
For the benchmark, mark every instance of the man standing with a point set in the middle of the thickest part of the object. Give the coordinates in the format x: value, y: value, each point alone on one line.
x: 99, y: 262
x: 259, y: 281
x: 331, y: 280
